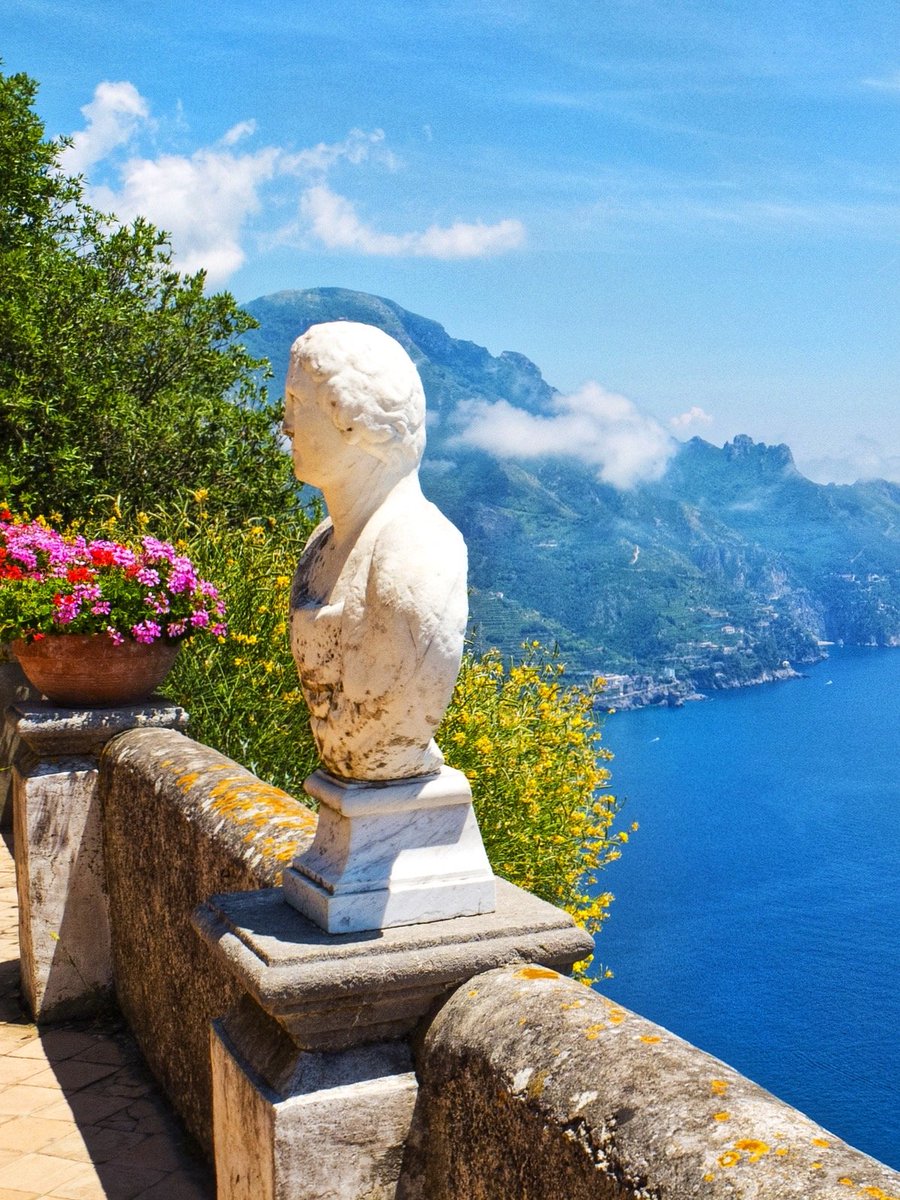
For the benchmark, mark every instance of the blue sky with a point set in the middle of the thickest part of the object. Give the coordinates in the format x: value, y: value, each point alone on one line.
x: 694, y: 205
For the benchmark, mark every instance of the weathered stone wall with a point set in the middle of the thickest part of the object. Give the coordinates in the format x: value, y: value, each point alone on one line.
x: 181, y: 823
x: 531, y: 1087
x: 534, y: 1088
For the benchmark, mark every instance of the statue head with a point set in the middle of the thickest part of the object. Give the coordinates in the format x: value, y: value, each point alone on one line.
x: 364, y: 383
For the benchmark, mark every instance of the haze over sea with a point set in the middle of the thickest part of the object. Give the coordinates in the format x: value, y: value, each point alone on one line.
x: 757, y: 909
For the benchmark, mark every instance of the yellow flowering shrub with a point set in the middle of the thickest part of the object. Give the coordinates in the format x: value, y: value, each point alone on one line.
x: 243, y: 695
x: 526, y: 737
x: 530, y: 744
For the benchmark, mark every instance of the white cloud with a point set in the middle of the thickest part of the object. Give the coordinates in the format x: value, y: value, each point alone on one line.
x: 863, y: 458
x: 113, y: 116
x: 237, y: 132
x: 205, y: 200
x: 694, y: 416
x: 890, y: 83
x: 357, y: 147
x: 600, y: 428
x: 334, y: 221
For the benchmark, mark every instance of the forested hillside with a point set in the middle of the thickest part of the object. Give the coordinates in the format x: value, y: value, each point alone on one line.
x: 733, y: 567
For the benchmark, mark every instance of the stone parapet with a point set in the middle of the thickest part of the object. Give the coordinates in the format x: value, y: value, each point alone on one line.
x: 333, y: 991
x: 318, y: 1011
x: 531, y: 1085
x: 182, y: 822
x: 14, y: 688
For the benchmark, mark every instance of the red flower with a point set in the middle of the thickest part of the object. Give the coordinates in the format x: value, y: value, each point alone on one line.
x: 58, y: 599
x: 5, y: 514
x: 79, y: 575
x: 38, y: 637
x: 102, y: 558
x: 13, y: 573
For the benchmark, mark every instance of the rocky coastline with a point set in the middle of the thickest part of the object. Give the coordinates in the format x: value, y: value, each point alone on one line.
x: 626, y: 692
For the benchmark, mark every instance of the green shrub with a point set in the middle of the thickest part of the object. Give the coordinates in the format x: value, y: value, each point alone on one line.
x: 528, y: 740
x: 118, y: 375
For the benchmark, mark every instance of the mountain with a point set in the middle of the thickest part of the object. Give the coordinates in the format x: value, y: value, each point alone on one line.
x: 731, y: 569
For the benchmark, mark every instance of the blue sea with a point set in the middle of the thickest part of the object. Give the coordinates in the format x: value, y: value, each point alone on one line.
x: 757, y: 910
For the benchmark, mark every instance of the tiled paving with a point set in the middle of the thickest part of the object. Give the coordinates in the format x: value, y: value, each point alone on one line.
x: 80, y: 1116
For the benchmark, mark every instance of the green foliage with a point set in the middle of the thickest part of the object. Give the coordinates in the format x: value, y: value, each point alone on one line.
x: 528, y: 741
x: 243, y: 695
x: 118, y: 376
x: 530, y: 744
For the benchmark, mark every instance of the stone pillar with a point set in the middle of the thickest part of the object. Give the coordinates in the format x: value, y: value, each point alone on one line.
x: 64, y: 938
x: 13, y: 687
x: 314, y: 1089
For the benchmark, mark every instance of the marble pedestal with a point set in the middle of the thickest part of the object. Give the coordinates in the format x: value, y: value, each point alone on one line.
x: 64, y: 936
x: 313, y: 1066
x: 388, y: 854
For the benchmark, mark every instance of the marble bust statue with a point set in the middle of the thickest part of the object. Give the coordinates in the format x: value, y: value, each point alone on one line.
x: 378, y: 602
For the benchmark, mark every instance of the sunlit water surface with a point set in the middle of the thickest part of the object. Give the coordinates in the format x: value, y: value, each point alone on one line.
x: 757, y: 910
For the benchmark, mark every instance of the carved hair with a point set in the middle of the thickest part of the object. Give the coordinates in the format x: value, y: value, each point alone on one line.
x: 369, y: 383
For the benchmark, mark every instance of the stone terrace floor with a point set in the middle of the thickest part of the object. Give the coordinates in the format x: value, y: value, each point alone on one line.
x: 80, y: 1116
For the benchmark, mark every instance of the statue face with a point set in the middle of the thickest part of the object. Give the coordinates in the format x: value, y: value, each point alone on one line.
x: 319, y: 449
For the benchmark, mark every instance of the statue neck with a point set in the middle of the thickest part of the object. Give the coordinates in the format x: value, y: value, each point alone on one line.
x: 352, y: 506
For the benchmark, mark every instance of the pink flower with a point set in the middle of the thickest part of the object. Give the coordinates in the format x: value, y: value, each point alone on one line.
x: 146, y: 632
x: 157, y: 550
x: 182, y: 577
x: 200, y: 619
x: 114, y: 636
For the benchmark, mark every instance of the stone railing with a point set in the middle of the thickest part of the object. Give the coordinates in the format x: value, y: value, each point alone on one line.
x: 13, y: 687
x: 531, y: 1085
x: 180, y: 823
x: 419, y: 1063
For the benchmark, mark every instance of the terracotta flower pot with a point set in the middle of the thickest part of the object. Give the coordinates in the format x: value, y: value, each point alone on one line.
x: 79, y: 670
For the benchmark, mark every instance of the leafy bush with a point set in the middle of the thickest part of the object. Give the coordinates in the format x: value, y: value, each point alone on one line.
x: 530, y: 744
x: 244, y: 696
x: 528, y: 740
x: 119, y: 377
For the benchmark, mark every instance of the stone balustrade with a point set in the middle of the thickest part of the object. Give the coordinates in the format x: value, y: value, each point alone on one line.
x: 512, y: 1081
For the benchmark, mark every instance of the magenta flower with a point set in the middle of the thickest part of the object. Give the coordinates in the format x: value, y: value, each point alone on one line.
x: 51, y: 583
x: 146, y: 631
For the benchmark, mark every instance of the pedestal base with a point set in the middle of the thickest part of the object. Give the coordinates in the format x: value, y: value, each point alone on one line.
x: 336, y: 1132
x: 313, y: 1088
x: 391, y: 854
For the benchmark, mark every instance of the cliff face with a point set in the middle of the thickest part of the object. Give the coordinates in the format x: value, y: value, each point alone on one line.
x: 726, y: 569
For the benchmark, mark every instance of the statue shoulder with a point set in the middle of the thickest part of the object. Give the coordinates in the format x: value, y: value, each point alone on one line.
x: 420, y: 542
x: 423, y: 532
x: 419, y: 567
